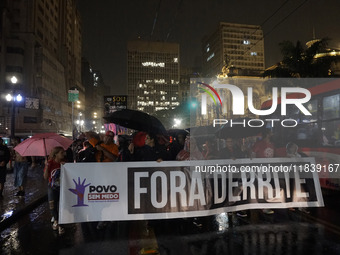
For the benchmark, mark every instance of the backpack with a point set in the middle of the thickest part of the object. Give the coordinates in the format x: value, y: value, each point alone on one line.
x: 55, y: 179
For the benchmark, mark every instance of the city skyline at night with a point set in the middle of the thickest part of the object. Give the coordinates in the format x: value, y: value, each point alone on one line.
x: 106, y: 28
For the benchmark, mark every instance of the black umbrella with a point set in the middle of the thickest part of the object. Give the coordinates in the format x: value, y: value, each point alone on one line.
x: 174, y: 132
x: 239, y: 130
x: 136, y: 120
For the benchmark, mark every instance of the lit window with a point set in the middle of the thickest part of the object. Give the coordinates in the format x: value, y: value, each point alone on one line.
x: 211, y: 56
x: 153, y: 64
x: 246, y: 42
x: 253, y: 53
x: 160, y: 81
x: 176, y: 60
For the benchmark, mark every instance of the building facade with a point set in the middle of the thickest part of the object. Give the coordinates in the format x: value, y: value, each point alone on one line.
x: 40, y: 46
x: 95, y: 90
x: 238, y: 46
x: 153, y: 75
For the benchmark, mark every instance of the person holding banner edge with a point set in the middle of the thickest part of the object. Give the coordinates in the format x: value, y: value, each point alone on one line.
x: 52, y: 165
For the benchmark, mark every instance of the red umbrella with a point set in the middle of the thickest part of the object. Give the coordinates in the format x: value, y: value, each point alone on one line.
x: 42, y: 144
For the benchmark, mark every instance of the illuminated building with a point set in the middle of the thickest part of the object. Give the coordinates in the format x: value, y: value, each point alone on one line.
x: 41, y: 46
x: 234, y: 45
x: 95, y: 90
x: 331, y: 51
x: 153, y: 75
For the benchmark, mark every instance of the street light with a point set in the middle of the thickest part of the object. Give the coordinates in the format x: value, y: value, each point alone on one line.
x: 14, y: 80
x: 17, y: 98
x: 14, y: 98
x: 177, y: 122
x: 80, y: 122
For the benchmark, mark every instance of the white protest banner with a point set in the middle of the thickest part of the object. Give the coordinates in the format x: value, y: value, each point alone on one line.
x: 177, y: 189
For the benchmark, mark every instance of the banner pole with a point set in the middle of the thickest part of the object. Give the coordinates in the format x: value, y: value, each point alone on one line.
x: 72, y: 120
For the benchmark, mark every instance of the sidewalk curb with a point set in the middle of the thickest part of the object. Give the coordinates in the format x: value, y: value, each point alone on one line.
x: 5, y: 223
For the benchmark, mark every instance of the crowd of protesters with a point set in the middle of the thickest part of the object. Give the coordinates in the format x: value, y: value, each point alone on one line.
x: 141, y: 146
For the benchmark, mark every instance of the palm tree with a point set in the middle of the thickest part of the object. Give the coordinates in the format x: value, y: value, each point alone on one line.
x: 299, y: 62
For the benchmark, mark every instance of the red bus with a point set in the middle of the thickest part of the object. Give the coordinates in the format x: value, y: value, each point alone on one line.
x: 317, y: 135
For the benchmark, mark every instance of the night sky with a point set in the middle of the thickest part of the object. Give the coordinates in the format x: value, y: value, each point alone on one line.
x: 107, y: 25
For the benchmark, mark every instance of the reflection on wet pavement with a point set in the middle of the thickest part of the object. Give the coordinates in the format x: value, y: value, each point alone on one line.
x: 35, y: 188
x: 284, y: 232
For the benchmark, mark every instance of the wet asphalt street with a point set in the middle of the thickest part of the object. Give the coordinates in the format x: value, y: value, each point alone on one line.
x: 285, y: 232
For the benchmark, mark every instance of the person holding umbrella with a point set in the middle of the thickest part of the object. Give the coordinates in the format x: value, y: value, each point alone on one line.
x: 150, y: 151
x: 107, y: 151
x: 51, y: 171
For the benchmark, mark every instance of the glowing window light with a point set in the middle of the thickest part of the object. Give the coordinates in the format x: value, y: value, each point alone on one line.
x: 160, y: 81
x: 154, y: 64
x: 211, y: 56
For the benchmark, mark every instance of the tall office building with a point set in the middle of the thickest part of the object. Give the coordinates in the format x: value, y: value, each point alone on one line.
x: 40, y: 46
x: 95, y: 90
x: 234, y: 45
x: 153, y: 75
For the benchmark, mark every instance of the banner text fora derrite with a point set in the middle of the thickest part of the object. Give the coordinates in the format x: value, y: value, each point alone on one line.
x: 181, y: 189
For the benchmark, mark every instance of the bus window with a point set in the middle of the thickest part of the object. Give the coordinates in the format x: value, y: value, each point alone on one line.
x: 331, y: 133
x: 293, y: 112
x: 302, y: 134
x: 331, y: 105
x: 312, y: 107
x: 307, y: 134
